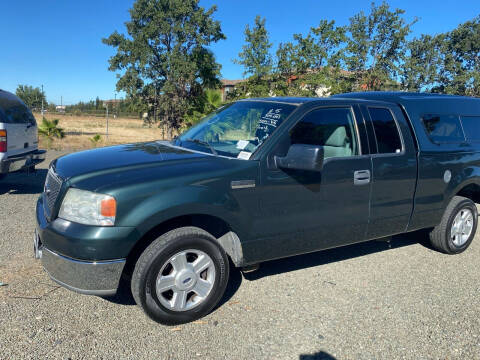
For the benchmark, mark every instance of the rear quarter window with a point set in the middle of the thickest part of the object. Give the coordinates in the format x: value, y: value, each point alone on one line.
x: 443, y: 128
x: 471, y: 127
x: 13, y: 111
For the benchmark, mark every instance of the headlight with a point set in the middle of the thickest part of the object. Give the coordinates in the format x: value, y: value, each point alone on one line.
x: 89, y: 208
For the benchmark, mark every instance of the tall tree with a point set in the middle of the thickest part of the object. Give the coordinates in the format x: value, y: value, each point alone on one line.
x: 255, y: 55
x: 164, y: 57
x: 32, y: 97
x: 460, y: 53
x: 315, y: 59
x: 376, y: 46
x: 422, y: 63
x: 322, y: 47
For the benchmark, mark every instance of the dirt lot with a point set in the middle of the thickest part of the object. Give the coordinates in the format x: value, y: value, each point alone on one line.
x: 367, y: 301
x: 80, y: 129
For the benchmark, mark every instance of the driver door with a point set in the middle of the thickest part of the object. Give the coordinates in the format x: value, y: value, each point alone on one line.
x: 303, y: 211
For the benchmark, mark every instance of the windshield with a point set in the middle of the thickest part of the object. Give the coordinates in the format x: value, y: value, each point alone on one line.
x: 237, y: 129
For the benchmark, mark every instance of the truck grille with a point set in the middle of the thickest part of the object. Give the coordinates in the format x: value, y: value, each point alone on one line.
x: 53, y: 184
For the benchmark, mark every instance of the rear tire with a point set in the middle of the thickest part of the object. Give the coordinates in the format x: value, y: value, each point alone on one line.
x: 457, y: 229
x: 181, y: 276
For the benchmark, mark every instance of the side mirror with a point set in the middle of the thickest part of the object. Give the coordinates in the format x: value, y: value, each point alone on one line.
x: 302, y: 157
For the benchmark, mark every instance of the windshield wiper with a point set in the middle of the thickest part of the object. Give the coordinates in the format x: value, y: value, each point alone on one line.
x: 205, y: 143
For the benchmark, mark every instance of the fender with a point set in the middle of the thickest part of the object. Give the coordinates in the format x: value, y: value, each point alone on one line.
x: 192, y: 200
x: 467, y: 176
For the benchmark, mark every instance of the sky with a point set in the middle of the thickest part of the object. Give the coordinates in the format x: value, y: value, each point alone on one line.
x: 57, y: 43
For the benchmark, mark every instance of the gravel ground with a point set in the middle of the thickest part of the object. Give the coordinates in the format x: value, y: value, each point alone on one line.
x: 366, y: 301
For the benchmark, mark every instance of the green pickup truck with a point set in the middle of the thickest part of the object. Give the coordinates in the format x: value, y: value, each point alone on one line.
x: 259, y: 179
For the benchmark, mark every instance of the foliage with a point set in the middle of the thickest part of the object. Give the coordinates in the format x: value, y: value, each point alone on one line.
x: 95, y: 139
x: 32, y: 97
x: 164, y: 59
x: 420, y: 69
x: 376, y: 46
x: 210, y: 100
x: 255, y: 56
x: 366, y: 54
x: 460, y: 60
x: 49, y: 129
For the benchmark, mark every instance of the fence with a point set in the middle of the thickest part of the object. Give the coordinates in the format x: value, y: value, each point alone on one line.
x: 95, y: 113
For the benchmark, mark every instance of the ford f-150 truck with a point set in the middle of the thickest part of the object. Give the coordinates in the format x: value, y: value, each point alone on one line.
x: 256, y: 180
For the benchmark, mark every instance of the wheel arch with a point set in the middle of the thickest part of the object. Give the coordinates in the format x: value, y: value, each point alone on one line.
x: 214, y: 225
x: 470, y: 191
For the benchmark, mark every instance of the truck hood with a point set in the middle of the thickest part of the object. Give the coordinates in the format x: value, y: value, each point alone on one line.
x: 128, y: 156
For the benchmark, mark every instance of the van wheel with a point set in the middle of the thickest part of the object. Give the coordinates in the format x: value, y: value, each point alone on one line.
x: 180, y: 276
x: 458, y: 226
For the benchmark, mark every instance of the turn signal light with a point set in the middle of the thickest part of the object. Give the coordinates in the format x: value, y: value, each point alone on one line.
x: 108, y: 207
x: 3, y: 140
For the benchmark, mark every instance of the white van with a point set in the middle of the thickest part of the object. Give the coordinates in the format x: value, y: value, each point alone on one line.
x: 18, y: 136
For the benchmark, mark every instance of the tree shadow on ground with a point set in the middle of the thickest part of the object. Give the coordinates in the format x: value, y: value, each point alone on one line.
x: 19, y: 183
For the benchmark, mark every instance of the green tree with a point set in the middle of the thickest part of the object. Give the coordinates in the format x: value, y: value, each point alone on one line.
x: 322, y: 47
x: 376, y: 46
x: 164, y: 59
x: 460, y: 60
x: 49, y: 129
x: 95, y: 140
x: 256, y: 60
x: 32, y: 97
x: 255, y: 55
x: 422, y: 64
x: 314, y: 60
x: 204, y: 105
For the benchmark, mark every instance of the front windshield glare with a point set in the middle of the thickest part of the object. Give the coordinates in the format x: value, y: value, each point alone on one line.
x: 236, y: 130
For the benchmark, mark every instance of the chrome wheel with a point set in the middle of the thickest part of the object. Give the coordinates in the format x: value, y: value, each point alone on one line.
x: 462, y: 226
x: 185, y: 280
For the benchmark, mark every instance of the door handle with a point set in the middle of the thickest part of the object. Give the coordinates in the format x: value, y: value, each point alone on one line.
x: 361, y: 177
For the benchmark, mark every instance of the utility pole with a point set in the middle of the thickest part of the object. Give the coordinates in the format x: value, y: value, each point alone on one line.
x: 107, y: 121
x: 42, y: 100
x: 115, y: 107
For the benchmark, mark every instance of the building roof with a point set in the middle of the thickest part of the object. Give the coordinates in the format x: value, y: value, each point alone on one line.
x: 226, y: 82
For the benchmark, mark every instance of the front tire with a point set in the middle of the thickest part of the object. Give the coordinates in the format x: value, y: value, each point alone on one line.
x: 457, y: 229
x: 181, y: 276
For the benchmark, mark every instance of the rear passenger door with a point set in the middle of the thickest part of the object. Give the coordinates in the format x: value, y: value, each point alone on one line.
x: 394, y: 170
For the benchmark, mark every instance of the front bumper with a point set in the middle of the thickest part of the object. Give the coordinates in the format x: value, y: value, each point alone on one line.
x: 92, y: 278
x: 74, y: 254
x: 23, y: 161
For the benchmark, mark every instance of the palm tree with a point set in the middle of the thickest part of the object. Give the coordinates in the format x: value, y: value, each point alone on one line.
x: 49, y: 129
x: 213, y: 100
x: 95, y: 140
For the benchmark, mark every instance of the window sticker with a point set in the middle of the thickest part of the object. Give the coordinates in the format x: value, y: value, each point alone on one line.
x: 267, y: 124
x: 242, y: 144
x: 244, y: 155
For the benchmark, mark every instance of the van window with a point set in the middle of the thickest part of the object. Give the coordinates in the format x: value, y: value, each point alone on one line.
x: 332, y: 128
x: 471, y: 127
x: 443, y: 128
x: 386, y: 131
x: 13, y: 111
